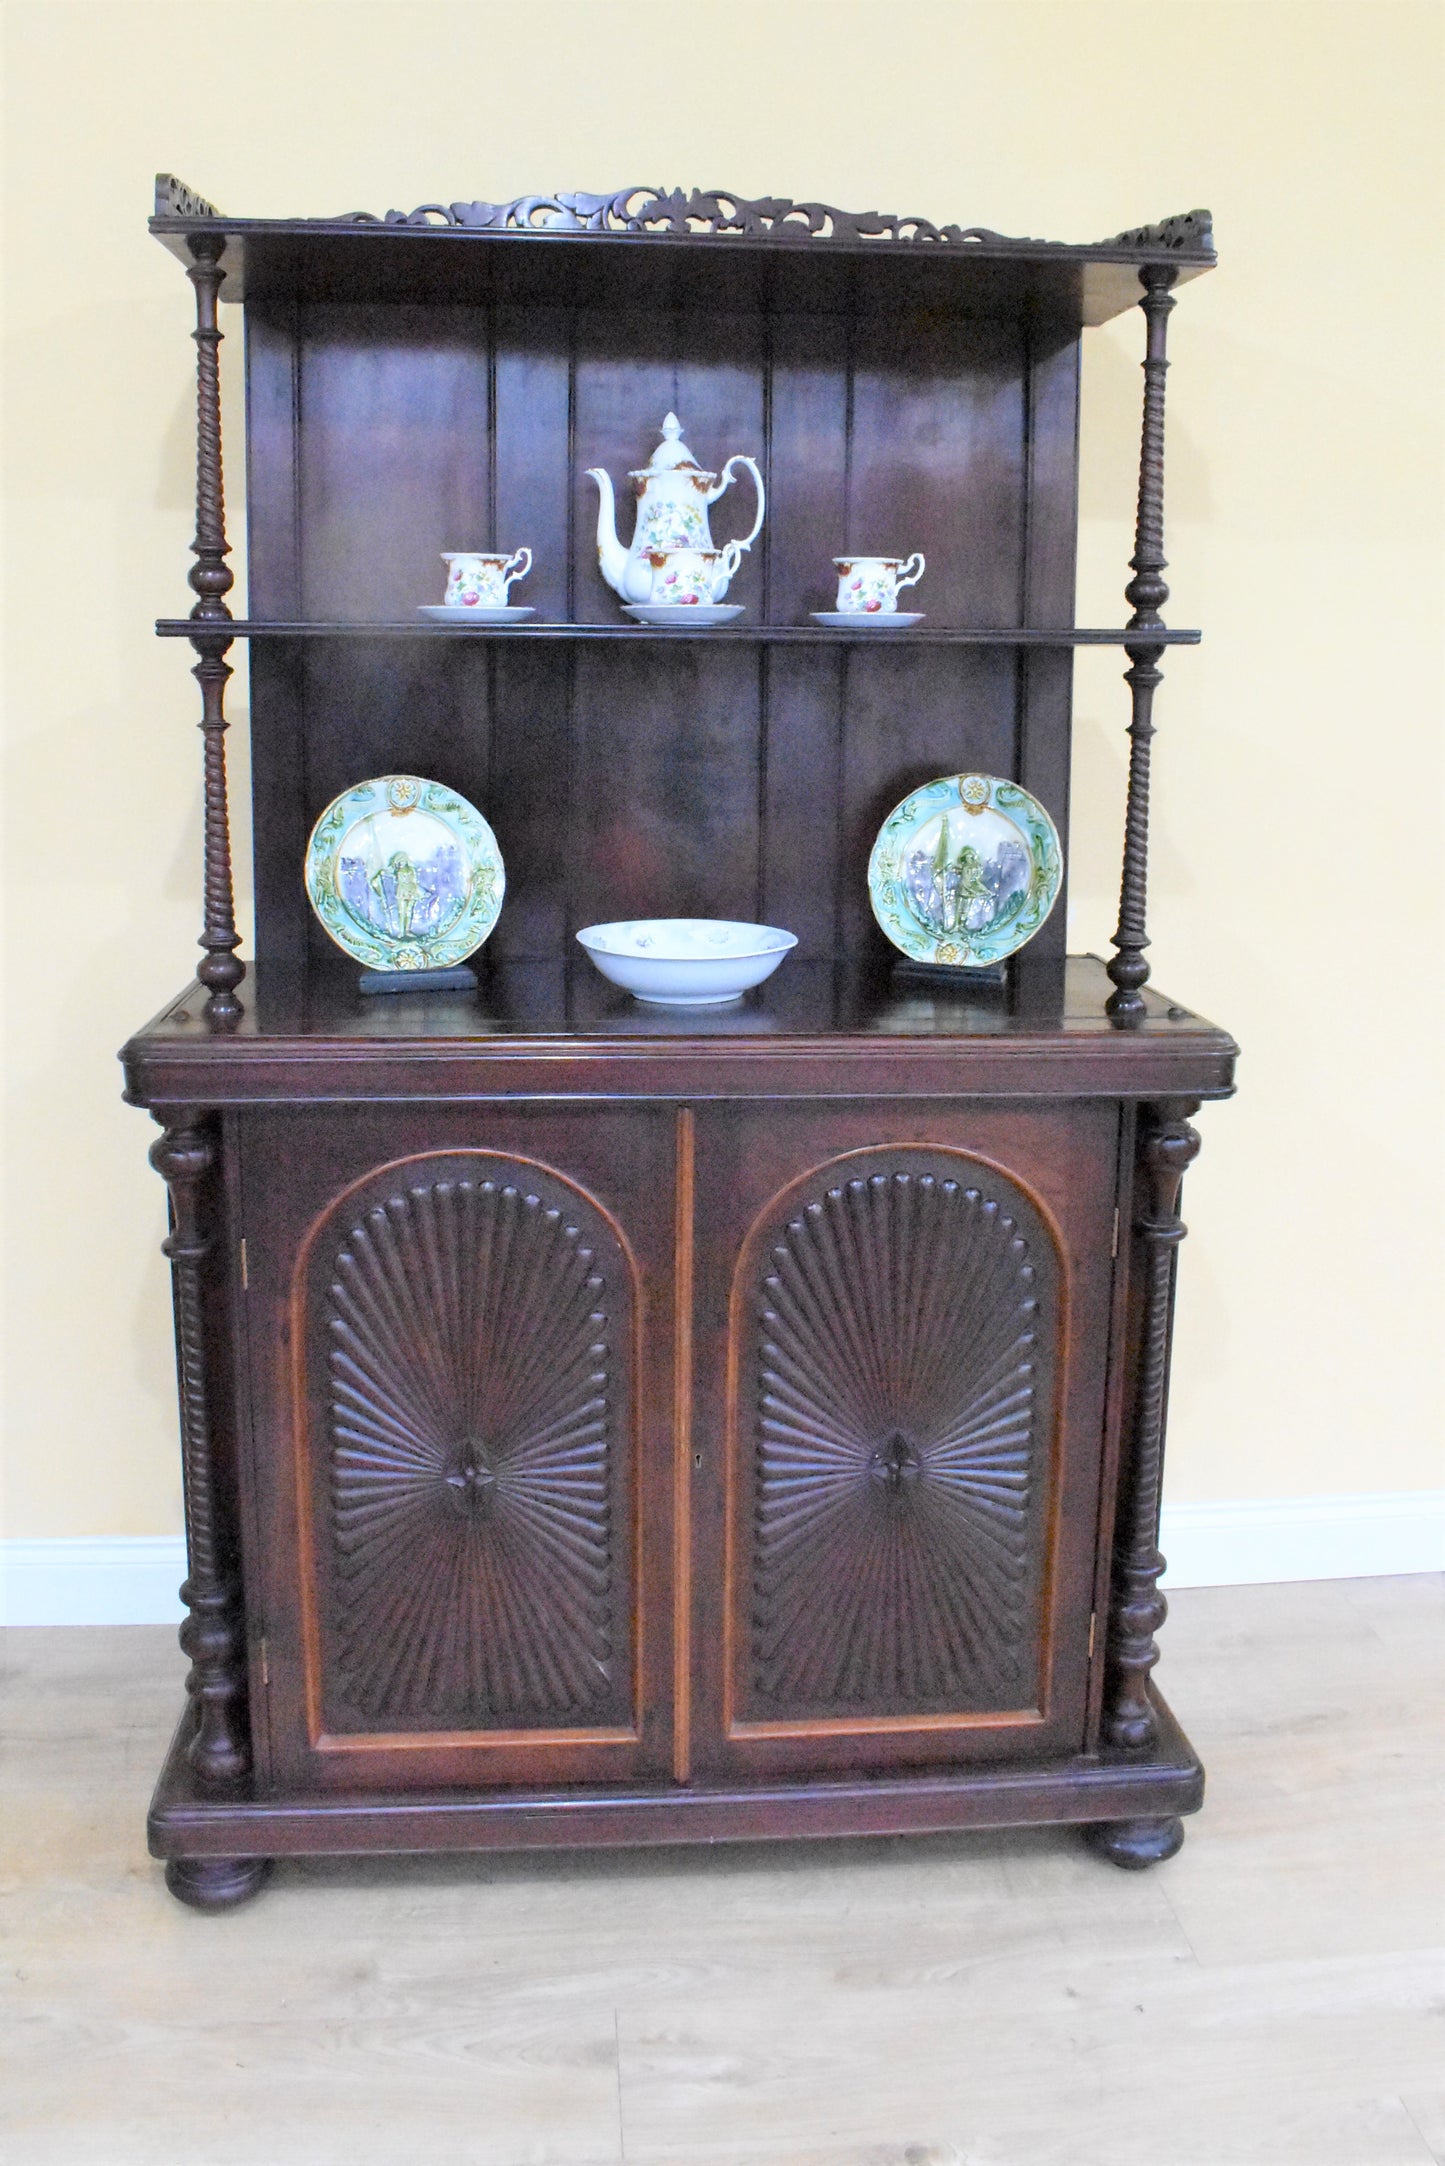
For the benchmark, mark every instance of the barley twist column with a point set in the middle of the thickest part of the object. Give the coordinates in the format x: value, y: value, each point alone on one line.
x: 184, y: 1155
x: 1147, y: 594
x: 221, y: 969
x: 1168, y: 1147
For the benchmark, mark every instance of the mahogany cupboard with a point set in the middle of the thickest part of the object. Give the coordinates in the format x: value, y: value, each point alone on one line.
x: 616, y: 1426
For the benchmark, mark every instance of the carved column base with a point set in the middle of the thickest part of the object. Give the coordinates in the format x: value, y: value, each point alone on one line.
x: 215, y: 1883
x: 1133, y: 1844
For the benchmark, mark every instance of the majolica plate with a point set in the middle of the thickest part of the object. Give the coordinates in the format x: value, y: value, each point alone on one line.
x: 965, y: 870
x: 404, y: 874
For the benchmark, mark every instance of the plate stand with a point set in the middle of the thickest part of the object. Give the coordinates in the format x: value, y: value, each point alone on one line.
x: 459, y: 980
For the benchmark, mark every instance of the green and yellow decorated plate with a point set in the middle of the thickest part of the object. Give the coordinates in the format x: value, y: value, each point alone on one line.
x: 965, y: 870
x: 404, y: 874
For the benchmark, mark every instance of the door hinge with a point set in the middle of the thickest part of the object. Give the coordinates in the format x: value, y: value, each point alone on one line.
x: 1113, y: 1243
x: 246, y: 1269
x: 264, y: 1654
x: 1093, y: 1627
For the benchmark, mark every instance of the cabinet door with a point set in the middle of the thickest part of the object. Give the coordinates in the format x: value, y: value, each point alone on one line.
x: 459, y: 1346
x: 903, y: 1326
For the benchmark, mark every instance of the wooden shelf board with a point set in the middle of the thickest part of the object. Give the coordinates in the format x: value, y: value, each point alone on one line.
x: 557, y: 1026
x: 764, y: 634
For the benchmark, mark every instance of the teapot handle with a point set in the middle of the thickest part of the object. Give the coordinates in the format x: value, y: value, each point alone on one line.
x: 740, y: 458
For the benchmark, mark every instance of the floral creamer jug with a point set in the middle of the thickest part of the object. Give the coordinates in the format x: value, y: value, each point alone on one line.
x: 673, y: 494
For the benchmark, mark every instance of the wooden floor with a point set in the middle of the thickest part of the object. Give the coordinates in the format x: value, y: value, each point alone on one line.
x: 1274, y: 1997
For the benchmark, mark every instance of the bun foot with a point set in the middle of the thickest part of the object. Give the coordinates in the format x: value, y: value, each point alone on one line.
x: 215, y: 1883
x: 1134, y: 1844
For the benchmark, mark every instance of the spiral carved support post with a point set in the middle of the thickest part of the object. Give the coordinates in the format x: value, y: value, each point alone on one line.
x: 1147, y: 594
x: 221, y: 969
x: 1168, y: 1147
x: 183, y: 1156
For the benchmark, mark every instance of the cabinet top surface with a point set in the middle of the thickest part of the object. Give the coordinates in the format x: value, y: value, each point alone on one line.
x: 681, y: 241
x: 540, y: 1026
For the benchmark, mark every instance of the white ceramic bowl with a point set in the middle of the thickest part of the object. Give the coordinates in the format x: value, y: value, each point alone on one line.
x: 686, y: 962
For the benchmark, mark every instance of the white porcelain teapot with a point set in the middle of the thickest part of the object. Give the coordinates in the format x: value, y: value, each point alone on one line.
x: 673, y: 494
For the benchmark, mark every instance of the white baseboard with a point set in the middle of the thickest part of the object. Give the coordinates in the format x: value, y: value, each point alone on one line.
x: 1262, y: 1539
x: 112, y: 1579
x: 129, y: 1579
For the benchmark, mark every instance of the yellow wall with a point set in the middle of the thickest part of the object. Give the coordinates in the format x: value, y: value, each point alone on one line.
x: 1296, y: 862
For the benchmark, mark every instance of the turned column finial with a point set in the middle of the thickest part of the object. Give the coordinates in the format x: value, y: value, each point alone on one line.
x: 1146, y: 594
x: 221, y: 969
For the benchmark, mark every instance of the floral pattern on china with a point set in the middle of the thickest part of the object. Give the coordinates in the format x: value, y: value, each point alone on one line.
x: 479, y: 579
x: 870, y: 586
x: 692, y: 578
x: 404, y: 874
x: 673, y: 494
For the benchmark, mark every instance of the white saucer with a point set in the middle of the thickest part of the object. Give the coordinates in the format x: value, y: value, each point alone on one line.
x: 462, y: 613
x: 882, y: 620
x: 696, y: 615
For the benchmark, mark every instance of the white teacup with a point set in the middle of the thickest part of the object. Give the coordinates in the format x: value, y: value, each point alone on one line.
x: 479, y: 579
x: 870, y: 585
x: 687, y: 577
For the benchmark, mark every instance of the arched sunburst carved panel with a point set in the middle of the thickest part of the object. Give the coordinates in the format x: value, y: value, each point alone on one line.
x: 471, y: 1331
x: 900, y: 1316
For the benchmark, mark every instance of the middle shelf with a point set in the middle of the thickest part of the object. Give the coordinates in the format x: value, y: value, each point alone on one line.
x: 729, y: 635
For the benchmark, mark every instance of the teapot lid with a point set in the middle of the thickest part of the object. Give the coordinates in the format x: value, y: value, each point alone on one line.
x: 671, y: 453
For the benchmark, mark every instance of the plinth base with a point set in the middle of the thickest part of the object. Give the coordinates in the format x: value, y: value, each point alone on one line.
x: 216, y: 1837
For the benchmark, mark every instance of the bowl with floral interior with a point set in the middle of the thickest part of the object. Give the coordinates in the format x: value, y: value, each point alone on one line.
x: 686, y: 962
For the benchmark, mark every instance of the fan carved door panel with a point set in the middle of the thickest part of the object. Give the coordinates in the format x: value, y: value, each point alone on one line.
x: 905, y: 1434
x: 469, y: 1393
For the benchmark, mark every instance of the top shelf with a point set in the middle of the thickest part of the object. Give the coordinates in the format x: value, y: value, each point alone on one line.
x: 723, y: 635
x: 702, y: 247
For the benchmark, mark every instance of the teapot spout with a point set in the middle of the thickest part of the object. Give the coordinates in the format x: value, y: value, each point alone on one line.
x: 611, y: 555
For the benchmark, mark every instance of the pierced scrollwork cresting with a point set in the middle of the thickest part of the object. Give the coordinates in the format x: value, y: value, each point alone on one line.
x: 699, y: 212
x: 694, y: 212
x: 184, y: 1156
x: 211, y: 577
x: 175, y: 200
x: 1146, y: 593
x: 1191, y: 231
x: 1168, y: 1146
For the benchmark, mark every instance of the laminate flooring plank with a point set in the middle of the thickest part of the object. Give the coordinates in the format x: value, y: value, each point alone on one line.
x: 1317, y: 1712
x: 1427, y: 2110
x: 1154, y: 2063
x: 1268, y: 1998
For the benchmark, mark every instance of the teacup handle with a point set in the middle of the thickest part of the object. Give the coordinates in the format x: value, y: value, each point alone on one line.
x: 908, y: 577
x: 730, y: 556
x: 508, y: 575
x: 740, y: 458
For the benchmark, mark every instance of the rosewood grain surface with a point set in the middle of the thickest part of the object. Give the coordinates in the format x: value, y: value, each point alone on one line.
x: 428, y: 1390
x: 994, y: 1631
x: 667, y: 244
x: 559, y: 1028
x: 653, y: 776
x: 1165, y: 1780
x: 608, y: 1426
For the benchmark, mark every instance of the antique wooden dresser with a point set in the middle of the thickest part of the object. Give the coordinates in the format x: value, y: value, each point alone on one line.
x: 609, y: 1425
